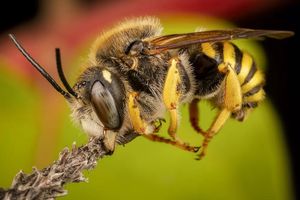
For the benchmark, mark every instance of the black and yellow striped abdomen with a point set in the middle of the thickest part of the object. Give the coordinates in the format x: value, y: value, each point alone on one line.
x: 251, y: 79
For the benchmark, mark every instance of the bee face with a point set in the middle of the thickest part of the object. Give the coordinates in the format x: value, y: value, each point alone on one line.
x: 102, y: 92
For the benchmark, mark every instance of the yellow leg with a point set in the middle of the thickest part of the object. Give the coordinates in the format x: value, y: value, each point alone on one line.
x: 219, y: 121
x: 171, y: 96
x: 233, y: 93
x: 157, y: 138
x: 139, y: 125
x: 232, y: 102
x: 148, y: 130
x: 194, y: 116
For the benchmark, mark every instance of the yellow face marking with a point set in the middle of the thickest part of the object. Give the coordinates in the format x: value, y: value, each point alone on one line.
x: 107, y: 76
x: 229, y: 54
x: 208, y: 50
x: 246, y: 65
x: 260, y: 95
x: 257, y: 79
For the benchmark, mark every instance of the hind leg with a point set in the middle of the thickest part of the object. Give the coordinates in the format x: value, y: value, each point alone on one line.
x: 232, y: 102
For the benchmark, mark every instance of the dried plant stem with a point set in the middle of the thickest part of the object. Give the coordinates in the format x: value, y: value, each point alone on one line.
x: 48, y: 183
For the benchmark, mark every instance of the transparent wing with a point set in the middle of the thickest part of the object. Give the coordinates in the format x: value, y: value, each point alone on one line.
x: 174, y: 41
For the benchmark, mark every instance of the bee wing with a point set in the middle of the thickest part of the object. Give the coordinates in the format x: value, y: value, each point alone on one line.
x: 186, y: 39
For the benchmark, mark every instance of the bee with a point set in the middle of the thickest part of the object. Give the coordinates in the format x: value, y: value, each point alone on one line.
x: 134, y: 76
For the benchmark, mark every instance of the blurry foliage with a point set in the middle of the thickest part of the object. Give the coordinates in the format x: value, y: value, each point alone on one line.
x: 245, y: 161
x: 18, y: 126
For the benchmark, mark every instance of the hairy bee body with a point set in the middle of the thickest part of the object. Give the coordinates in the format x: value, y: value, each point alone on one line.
x: 135, y: 75
x: 217, y: 71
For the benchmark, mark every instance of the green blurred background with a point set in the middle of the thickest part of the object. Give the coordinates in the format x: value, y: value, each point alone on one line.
x: 245, y: 161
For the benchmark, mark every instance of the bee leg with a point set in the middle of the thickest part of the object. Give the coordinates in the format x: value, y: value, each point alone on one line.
x: 213, y: 130
x: 157, y: 138
x: 232, y: 102
x: 139, y: 125
x: 147, y: 130
x: 194, y: 116
x: 158, y: 124
x: 171, y: 96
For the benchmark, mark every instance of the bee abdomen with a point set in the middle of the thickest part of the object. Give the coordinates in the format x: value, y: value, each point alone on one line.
x: 255, y: 95
x: 251, y: 79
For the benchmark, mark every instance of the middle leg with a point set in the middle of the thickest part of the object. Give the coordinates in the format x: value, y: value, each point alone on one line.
x: 194, y: 116
x: 232, y: 101
x: 171, y: 97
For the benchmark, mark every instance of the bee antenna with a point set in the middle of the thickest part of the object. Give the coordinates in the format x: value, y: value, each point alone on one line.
x: 39, y: 67
x: 61, y: 73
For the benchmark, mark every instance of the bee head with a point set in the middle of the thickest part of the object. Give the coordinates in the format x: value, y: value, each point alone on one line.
x: 97, y: 88
x: 104, y: 92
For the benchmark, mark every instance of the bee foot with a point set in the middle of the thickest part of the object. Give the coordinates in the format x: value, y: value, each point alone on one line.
x: 196, y: 149
x: 200, y: 156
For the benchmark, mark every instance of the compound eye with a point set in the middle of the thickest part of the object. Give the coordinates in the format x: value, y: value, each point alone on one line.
x: 104, y: 106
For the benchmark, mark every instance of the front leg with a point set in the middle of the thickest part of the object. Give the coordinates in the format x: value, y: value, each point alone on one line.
x: 139, y: 125
x: 148, y: 130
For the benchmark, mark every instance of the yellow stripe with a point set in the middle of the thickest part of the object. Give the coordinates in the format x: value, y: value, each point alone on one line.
x: 228, y: 54
x: 208, y: 50
x: 260, y: 95
x: 257, y: 79
x: 246, y: 64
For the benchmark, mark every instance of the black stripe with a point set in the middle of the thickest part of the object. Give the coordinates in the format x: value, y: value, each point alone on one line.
x: 205, y: 70
x: 238, y: 59
x: 219, y: 48
x: 251, y: 73
x: 250, y: 104
x: 185, y: 78
x: 253, y: 91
